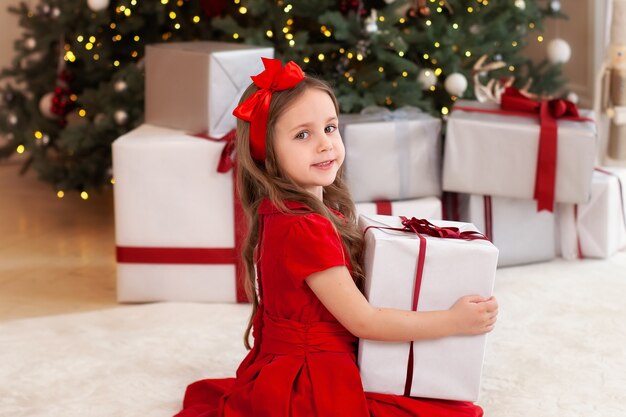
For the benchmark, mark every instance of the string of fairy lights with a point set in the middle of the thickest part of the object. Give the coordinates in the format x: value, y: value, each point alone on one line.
x: 90, y: 45
x: 93, y: 43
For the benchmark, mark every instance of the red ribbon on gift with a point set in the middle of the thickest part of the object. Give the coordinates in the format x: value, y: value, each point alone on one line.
x: 514, y: 103
x: 450, y: 206
x: 207, y: 256
x: 423, y: 227
x: 487, y: 211
x: 383, y: 207
x: 623, y: 204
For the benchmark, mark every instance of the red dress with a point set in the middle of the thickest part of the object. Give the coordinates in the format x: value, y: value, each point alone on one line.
x: 303, y: 363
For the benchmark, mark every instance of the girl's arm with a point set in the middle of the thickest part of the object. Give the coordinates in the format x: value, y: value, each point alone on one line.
x: 470, y: 315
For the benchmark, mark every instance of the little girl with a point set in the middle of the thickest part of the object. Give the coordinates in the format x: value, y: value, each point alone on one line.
x: 304, y: 245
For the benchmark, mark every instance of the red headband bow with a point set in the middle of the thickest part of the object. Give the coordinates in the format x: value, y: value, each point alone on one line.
x: 255, y: 109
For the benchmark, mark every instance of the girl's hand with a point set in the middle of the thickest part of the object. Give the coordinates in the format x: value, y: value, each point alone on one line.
x: 474, y: 315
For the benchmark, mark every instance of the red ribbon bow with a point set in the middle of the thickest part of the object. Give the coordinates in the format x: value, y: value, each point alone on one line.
x: 549, y: 111
x: 255, y: 109
x: 424, y: 227
x: 227, y: 157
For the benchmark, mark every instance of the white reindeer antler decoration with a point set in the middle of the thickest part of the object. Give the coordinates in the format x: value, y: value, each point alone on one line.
x: 492, y: 91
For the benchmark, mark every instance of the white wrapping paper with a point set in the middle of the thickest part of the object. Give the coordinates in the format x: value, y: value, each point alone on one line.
x: 194, y: 86
x: 168, y: 194
x: 489, y: 154
x: 392, y: 156
x: 599, y: 223
x: 424, y: 208
x: 521, y: 234
x: 448, y: 368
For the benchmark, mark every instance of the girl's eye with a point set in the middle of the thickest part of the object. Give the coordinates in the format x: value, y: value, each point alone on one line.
x: 302, y: 135
x: 330, y: 128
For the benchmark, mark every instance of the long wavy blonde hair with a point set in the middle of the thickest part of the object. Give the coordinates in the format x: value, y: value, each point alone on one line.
x: 256, y: 181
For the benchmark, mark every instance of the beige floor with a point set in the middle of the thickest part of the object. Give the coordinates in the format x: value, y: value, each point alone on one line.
x: 56, y: 255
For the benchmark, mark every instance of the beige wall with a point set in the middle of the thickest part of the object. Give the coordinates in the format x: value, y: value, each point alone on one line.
x: 587, y: 31
x: 584, y: 31
x: 9, y: 32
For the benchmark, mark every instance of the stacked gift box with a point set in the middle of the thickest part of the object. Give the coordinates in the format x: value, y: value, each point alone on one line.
x: 178, y: 224
x: 514, y: 166
x: 597, y: 227
x: 393, y: 161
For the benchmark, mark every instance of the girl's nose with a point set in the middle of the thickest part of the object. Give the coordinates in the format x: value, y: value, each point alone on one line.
x: 325, y: 143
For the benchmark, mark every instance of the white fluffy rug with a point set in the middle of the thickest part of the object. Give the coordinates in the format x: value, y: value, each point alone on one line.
x: 559, y: 350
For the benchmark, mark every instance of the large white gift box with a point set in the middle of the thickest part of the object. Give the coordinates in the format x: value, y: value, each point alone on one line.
x: 174, y: 218
x: 496, y: 154
x: 425, y: 208
x: 596, y: 229
x: 446, y: 368
x: 195, y: 86
x: 392, y: 155
x: 521, y: 234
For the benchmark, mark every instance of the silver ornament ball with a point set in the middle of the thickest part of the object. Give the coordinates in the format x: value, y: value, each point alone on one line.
x: 98, y: 5
x: 30, y: 43
x: 121, y: 117
x: 45, y: 106
x: 558, y: 51
x: 371, y: 27
x: 456, y: 84
x: 120, y: 86
x: 555, y: 6
x: 56, y: 12
x: 12, y: 119
x: 573, y: 97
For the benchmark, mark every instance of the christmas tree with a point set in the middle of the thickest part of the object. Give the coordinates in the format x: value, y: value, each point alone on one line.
x: 76, y: 83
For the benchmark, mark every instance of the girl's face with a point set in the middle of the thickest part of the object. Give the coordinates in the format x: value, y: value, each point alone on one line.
x: 307, y: 143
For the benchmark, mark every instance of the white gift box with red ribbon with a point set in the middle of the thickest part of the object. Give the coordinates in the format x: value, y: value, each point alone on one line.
x: 521, y: 234
x: 392, y: 155
x: 446, y: 368
x: 194, y: 86
x: 426, y: 208
x: 597, y: 228
x: 492, y: 153
x: 174, y: 218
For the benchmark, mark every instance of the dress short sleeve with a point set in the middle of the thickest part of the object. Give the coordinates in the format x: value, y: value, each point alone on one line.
x: 312, y: 245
